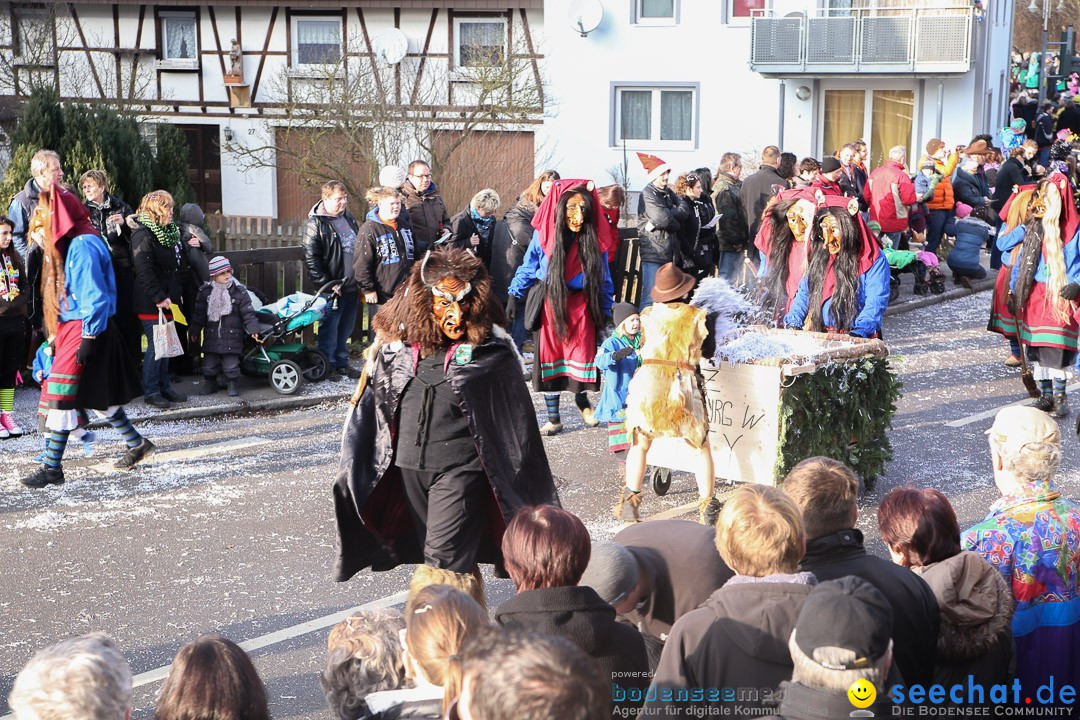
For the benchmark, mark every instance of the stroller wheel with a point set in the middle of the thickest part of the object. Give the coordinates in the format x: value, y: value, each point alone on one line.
x: 894, y: 289
x: 286, y: 377
x: 661, y: 481
x: 317, y: 366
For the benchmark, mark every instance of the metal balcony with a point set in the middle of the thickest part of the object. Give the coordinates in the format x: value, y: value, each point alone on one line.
x: 884, y: 41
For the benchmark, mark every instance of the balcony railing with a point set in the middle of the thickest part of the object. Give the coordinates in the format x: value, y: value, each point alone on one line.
x: 881, y: 41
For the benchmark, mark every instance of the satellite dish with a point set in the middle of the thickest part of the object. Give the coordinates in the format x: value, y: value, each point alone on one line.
x: 390, y: 46
x: 585, y: 15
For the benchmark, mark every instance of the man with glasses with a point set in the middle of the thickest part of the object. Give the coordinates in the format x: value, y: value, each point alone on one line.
x: 732, y: 233
x: 426, y: 207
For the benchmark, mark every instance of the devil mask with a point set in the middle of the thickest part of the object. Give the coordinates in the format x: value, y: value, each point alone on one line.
x: 448, y: 296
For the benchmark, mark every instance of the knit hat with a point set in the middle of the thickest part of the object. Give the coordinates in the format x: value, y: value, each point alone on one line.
x: 875, y: 227
x: 1018, y: 125
x: 962, y: 210
x: 612, y: 572
x: 830, y: 164
x: 928, y: 165
x: 392, y: 176
x: 844, y: 624
x: 219, y: 264
x: 621, y: 311
x: 934, y: 145
x: 653, y: 165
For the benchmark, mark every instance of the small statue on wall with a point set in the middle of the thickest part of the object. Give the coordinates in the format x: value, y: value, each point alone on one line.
x: 236, y: 64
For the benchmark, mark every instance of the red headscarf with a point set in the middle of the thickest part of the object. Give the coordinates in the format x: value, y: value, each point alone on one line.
x: 763, y: 241
x: 869, y: 248
x: 1070, y: 220
x: 544, y: 221
x: 69, y: 218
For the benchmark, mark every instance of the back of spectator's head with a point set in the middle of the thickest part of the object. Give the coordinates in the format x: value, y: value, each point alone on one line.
x: 705, y: 175
x: 514, y: 674
x: 843, y: 634
x: 439, y: 622
x: 212, y: 678
x: 729, y: 161
x: 1025, y: 446
x: 472, y: 583
x: 770, y: 155
x: 611, y: 196
x: 786, y: 169
x: 898, y: 153
x: 613, y: 572
x: 809, y: 165
x: 363, y: 657
x: 85, y: 678
x: 827, y: 493
x: 919, y: 526
x: 392, y: 176
x: 545, y: 547
x: 759, y: 532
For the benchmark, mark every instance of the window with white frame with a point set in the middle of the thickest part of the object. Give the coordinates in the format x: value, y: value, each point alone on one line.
x: 662, y: 117
x: 316, y: 41
x: 179, y: 37
x: 655, y: 12
x: 744, y: 9
x: 480, y: 42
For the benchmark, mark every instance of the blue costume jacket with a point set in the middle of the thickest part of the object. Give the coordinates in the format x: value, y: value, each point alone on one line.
x: 1071, y: 251
x: 612, y: 405
x: 90, y: 284
x: 534, y: 269
x: 872, y: 297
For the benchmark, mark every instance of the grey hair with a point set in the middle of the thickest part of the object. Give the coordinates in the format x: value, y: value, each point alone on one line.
x: 486, y: 199
x: 809, y: 672
x: 41, y: 159
x: 364, y: 657
x: 898, y: 153
x: 85, y: 677
x: 1034, y: 464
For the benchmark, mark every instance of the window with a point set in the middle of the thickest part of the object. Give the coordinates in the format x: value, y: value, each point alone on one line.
x: 35, y: 42
x: 655, y: 12
x: 744, y: 8
x: 480, y: 43
x: 179, y: 38
x: 884, y: 118
x: 655, y: 116
x: 316, y: 41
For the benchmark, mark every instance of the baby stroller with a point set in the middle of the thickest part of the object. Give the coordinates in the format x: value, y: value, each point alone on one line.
x: 923, y: 265
x: 288, y: 365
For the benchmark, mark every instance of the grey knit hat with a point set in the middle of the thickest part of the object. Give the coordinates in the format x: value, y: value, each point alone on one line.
x: 612, y: 571
x: 392, y: 176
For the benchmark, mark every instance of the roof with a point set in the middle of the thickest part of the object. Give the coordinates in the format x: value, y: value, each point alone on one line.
x: 311, y: 4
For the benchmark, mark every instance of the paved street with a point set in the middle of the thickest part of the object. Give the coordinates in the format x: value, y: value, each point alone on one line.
x: 230, y: 528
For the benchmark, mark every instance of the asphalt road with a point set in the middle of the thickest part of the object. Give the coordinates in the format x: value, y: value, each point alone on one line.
x: 230, y: 529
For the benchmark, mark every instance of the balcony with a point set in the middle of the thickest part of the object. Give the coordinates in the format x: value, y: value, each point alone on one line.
x: 884, y: 41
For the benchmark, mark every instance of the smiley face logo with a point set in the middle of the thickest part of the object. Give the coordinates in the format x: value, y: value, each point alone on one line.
x: 862, y: 693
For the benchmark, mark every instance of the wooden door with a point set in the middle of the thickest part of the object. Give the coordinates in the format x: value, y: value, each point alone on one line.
x: 499, y: 160
x: 204, y: 168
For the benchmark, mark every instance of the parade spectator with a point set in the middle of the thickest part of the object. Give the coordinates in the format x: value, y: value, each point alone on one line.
x: 426, y: 207
x: 156, y: 249
x: 45, y: 171
x: 757, y: 189
x: 808, y: 172
x: 108, y: 214
x: 943, y: 201
x: 1011, y: 175
x: 439, y: 622
x: 1035, y: 170
x: 660, y: 216
x: 14, y: 296
x: 842, y: 636
x: 862, y: 157
x: 889, y: 191
x: 654, y: 573
x: 827, y: 493
x: 211, y: 677
x: 473, y: 228
x: 731, y: 229
x: 1069, y: 119
x: 546, y: 550
x: 1044, y: 131
x: 697, y: 257
x: 329, y: 242
x: 363, y: 656
x: 222, y: 317
x: 828, y: 177
x: 1032, y: 537
x: 969, y: 187
x: 786, y: 168
x: 972, y: 228
x: 1012, y: 135
x: 853, y: 179
x: 612, y: 199
x: 194, y: 270
x: 513, y: 674
x: 384, y: 249
x: 618, y: 360
x: 1025, y: 108
x: 920, y: 529
x: 85, y: 677
x: 739, y: 636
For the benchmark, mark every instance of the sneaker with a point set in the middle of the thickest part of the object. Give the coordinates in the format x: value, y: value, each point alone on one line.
x: 708, y: 511
x: 589, y: 417
x: 209, y: 386
x: 43, y: 477
x: 8, y: 423
x: 234, y: 390
x: 626, y: 509
x: 549, y: 428
x: 4, y: 434
x: 173, y: 396
x: 1012, y: 361
x: 157, y: 401
x: 88, y: 443
x: 134, y: 455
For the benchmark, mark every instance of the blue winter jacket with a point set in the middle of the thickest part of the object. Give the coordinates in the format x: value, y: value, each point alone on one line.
x: 42, y: 363
x: 1015, y: 236
x: 617, y: 375
x: 872, y: 298
x: 534, y: 269
x: 971, y: 235
x: 90, y: 284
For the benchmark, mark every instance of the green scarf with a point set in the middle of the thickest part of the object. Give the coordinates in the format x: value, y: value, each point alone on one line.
x: 633, y: 341
x: 167, y: 235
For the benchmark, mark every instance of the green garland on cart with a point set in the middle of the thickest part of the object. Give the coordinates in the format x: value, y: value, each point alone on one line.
x: 821, y: 413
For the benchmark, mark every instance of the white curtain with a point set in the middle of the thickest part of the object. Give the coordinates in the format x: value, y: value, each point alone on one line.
x: 657, y: 8
x: 482, y: 44
x: 636, y: 114
x: 676, y: 114
x: 318, y: 42
x: 180, y: 39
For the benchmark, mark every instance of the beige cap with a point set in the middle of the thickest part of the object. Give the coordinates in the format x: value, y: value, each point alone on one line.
x: 1017, y: 426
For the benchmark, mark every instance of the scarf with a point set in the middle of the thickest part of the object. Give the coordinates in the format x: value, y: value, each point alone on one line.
x: 167, y: 235
x: 220, y: 303
x: 9, y: 278
x: 633, y: 341
x: 483, y: 224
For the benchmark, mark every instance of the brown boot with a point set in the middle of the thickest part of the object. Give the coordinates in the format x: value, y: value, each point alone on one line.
x: 626, y: 509
x: 470, y: 583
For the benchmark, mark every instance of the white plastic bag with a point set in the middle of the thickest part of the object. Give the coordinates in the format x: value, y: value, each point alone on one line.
x: 166, y: 341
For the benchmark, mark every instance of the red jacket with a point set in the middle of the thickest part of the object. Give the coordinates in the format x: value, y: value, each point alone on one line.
x: 889, y: 192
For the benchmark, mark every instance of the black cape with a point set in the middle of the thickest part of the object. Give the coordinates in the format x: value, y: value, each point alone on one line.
x: 374, y: 526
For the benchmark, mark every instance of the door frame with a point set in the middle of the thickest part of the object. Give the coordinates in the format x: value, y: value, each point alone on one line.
x: 868, y: 109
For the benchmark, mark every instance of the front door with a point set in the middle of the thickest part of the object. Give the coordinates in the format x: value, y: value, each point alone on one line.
x: 204, y: 169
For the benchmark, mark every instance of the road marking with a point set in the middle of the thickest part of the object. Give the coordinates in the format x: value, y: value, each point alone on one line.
x: 197, y: 451
x: 991, y: 413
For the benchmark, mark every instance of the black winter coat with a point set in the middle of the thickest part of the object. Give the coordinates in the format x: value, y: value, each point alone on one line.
x: 323, y: 256
x: 428, y: 213
x: 756, y: 192
x: 226, y: 336
x: 384, y: 256
x: 462, y: 228
x: 916, y: 620
x: 660, y: 215
x: 732, y: 233
x: 118, y: 237
x: 579, y: 615
x: 1011, y: 173
x: 374, y: 526
x: 511, y: 239
x: 970, y: 189
x: 157, y: 270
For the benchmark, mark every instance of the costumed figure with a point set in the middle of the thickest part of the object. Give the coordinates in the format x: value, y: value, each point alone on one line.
x: 1002, y: 320
x: 784, y: 239
x: 91, y: 368
x: 666, y: 397
x: 567, y: 279
x: 1044, y: 285
x: 846, y: 286
x: 441, y: 446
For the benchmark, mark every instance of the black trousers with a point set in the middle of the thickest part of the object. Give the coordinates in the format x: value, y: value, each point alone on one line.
x: 12, y: 355
x: 227, y: 364
x: 448, y: 512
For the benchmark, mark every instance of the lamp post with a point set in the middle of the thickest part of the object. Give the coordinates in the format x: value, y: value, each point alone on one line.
x: 1034, y: 9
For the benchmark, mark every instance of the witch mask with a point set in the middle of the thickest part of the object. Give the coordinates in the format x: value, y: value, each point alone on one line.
x: 800, y: 217
x: 830, y: 234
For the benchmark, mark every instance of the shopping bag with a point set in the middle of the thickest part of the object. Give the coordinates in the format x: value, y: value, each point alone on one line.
x: 166, y: 341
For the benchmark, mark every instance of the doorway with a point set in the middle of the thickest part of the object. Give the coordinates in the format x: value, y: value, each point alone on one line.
x: 204, y: 165
x: 881, y: 118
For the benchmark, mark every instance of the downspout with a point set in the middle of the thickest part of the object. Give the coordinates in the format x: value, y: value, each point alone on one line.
x: 940, y: 107
x: 780, y: 130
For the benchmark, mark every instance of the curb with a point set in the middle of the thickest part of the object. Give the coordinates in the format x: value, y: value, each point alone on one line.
x: 979, y: 286
x: 274, y: 404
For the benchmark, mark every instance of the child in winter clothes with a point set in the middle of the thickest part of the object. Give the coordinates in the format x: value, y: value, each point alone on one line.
x: 223, y: 313
x: 42, y: 366
x: 618, y: 360
x: 972, y: 228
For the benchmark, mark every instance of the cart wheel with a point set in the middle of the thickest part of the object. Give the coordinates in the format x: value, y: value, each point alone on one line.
x: 286, y: 377
x: 318, y: 366
x: 661, y: 481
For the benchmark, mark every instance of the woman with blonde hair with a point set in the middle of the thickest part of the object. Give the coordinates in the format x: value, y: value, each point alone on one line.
x: 473, y: 228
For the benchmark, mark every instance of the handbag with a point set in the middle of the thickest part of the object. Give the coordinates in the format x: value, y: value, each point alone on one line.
x: 534, y: 306
x: 166, y: 340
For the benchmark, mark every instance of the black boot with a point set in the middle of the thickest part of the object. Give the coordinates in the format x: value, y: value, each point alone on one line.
x: 234, y: 390
x: 1061, y: 405
x: 43, y: 477
x: 209, y: 386
x: 1046, y: 401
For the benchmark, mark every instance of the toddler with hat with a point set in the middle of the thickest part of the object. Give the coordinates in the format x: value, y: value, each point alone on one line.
x: 223, y: 315
x: 618, y: 359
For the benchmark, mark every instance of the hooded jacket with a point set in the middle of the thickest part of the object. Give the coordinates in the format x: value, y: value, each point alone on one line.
x: 511, y: 239
x: 971, y: 235
x: 198, y: 258
x: 384, y: 255
x: 1011, y: 173
x: 579, y: 615
x: 889, y: 192
x: 970, y: 188
x: 660, y: 216
x: 943, y: 197
x: 20, y: 211
x: 428, y: 213
x: 323, y: 254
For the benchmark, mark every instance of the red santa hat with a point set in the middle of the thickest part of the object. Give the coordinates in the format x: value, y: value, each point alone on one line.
x: 653, y: 165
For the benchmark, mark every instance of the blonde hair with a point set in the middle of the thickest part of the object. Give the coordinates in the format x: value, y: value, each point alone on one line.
x: 760, y: 532
x: 85, y: 677
x: 487, y: 199
x: 375, y: 194
x: 1053, y: 252
x: 158, y: 204
x: 98, y: 177
x: 1018, y: 210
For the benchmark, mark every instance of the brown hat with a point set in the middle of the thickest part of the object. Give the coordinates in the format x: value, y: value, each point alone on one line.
x: 934, y: 145
x: 979, y: 147
x: 671, y: 283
